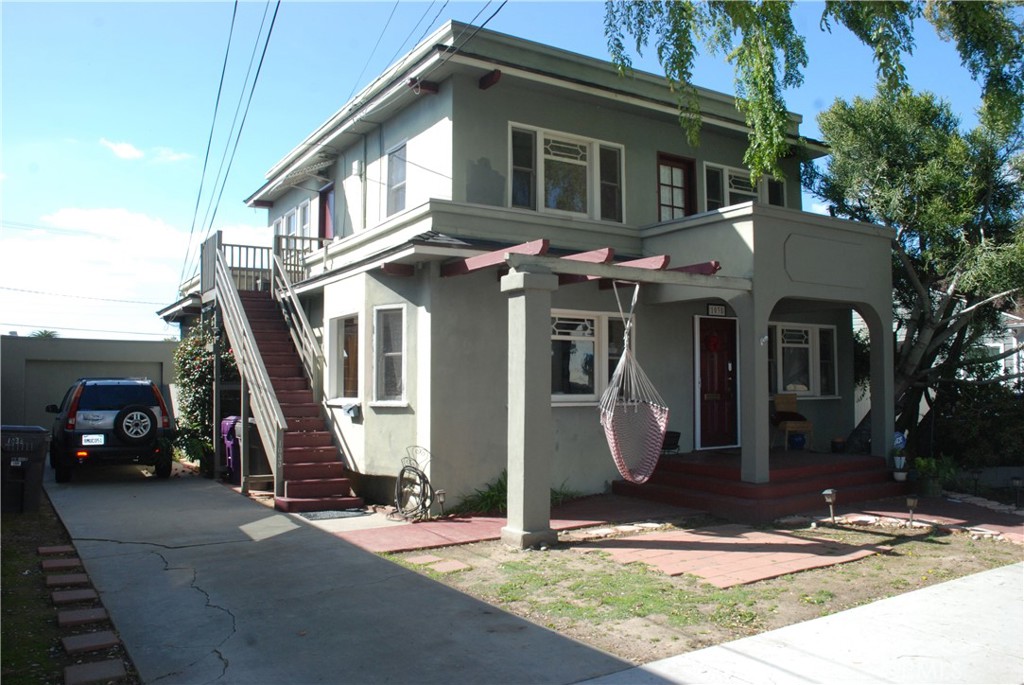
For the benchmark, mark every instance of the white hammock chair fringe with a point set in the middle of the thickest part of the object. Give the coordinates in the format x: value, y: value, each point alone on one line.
x: 633, y: 414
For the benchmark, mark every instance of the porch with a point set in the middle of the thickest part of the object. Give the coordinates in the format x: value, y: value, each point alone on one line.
x: 711, y: 481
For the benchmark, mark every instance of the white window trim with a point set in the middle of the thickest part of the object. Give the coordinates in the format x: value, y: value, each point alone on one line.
x: 403, y: 401
x: 602, y: 376
x: 302, y: 230
x: 336, y: 380
x: 814, y: 360
x: 594, y: 146
x: 387, y: 179
x: 761, y: 190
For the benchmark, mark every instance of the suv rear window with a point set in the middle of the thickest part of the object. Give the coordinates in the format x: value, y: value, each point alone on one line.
x: 114, y: 397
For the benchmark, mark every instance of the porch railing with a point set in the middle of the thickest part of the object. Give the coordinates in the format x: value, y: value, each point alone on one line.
x: 298, y: 325
x: 266, y: 410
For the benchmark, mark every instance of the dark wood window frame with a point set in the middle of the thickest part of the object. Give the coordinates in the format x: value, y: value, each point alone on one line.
x: 689, y: 169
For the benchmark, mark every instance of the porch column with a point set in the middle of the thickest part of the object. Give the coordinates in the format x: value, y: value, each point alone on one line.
x: 530, y: 425
x: 883, y: 402
x: 755, y: 431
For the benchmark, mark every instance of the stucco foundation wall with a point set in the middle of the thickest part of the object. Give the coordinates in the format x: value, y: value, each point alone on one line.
x: 35, y: 372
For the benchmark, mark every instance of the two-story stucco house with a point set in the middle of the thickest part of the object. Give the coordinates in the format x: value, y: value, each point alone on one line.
x: 449, y: 236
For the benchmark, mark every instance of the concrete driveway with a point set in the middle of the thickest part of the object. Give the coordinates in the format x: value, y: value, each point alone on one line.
x: 204, y: 585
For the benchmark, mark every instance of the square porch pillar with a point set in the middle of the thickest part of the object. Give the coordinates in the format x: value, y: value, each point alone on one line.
x: 530, y: 424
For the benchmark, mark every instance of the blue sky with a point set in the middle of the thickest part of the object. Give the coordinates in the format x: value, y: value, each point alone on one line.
x: 107, y: 109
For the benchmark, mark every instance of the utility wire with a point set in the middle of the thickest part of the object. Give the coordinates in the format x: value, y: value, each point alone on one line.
x: 209, y: 143
x: 87, y: 330
x: 241, y: 126
x: 411, y: 31
x: 355, y: 84
x: 80, y: 297
x: 245, y: 114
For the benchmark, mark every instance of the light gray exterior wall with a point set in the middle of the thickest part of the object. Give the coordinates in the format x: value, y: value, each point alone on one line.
x: 36, y: 372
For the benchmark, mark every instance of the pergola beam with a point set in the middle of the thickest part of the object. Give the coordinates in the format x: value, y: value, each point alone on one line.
x: 619, y: 272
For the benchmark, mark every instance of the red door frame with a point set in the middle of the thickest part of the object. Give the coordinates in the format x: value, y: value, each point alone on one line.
x: 716, y: 390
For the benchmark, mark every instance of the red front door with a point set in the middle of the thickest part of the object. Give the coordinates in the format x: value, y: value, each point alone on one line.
x: 716, y: 390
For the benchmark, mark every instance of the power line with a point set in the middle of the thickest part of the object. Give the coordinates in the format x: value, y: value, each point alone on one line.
x: 355, y: 84
x: 86, y: 330
x: 80, y: 297
x: 209, y: 143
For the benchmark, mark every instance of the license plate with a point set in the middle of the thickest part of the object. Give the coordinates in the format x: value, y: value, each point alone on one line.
x: 92, y: 440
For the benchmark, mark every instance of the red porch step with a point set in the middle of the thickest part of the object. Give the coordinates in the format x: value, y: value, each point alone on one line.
x: 321, y: 487
x: 297, y: 504
x: 712, y: 482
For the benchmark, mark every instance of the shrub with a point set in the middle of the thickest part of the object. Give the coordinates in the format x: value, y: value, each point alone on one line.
x: 981, y: 425
x: 193, y: 360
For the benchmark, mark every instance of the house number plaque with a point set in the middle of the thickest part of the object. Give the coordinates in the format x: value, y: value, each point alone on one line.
x: 716, y: 310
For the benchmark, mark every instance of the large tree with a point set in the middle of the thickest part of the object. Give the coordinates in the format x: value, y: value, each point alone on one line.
x: 760, y: 39
x: 955, y: 201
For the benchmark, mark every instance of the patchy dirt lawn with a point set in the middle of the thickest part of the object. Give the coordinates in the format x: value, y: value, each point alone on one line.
x: 642, y: 615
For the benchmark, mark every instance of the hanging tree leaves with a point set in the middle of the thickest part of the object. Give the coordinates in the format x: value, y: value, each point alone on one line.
x: 759, y: 38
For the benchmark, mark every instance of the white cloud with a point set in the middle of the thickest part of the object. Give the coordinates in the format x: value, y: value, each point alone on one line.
x: 819, y: 208
x: 109, y: 253
x: 166, y: 154
x: 123, y: 150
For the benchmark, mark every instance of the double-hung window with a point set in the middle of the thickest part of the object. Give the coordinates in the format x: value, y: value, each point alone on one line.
x: 726, y: 186
x: 585, y: 348
x: 345, y: 357
x: 396, y: 180
x: 560, y: 173
x: 389, y: 354
x: 676, y: 196
x: 802, y: 359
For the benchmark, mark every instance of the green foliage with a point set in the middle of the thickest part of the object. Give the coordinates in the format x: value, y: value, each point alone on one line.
x: 760, y: 39
x: 942, y: 468
x: 955, y: 202
x: 983, y: 425
x: 493, y: 497
x: 44, y: 333
x: 194, y: 360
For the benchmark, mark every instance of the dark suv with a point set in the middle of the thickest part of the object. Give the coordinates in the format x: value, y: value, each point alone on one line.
x: 111, y: 421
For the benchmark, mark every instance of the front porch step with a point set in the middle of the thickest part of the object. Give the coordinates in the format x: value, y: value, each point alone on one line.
x: 299, y: 504
x: 321, y: 487
x: 711, y: 482
x: 294, y: 396
x: 305, y: 455
x: 749, y: 510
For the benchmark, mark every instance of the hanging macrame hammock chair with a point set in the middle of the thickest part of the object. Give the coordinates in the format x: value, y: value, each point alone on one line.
x: 633, y: 415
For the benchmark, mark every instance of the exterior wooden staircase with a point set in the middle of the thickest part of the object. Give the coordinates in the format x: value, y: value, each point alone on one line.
x: 710, y: 481
x: 314, y: 475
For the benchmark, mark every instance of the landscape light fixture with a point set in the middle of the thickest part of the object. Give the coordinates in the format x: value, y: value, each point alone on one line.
x: 830, y: 498
x: 1016, y: 482
x: 911, y: 505
x: 976, y: 475
x: 440, y: 494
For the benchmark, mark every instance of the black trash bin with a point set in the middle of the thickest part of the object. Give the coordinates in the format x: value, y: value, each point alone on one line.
x: 24, y: 455
x: 232, y: 448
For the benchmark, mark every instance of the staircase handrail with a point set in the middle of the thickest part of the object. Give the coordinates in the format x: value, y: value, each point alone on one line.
x: 298, y: 325
x: 266, y: 410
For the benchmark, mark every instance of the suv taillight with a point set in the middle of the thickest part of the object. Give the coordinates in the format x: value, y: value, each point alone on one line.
x: 69, y: 423
x: 165, y: 419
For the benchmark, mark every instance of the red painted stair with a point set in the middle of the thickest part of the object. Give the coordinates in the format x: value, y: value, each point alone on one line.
x: 314, y: 476
x: 711, y: 481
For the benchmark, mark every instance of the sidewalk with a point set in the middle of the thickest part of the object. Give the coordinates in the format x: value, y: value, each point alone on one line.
x: 969, y: 630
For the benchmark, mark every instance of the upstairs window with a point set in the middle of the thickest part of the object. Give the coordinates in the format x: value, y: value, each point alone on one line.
x: 676, y: 196
x: 726, y: 186
x: 559, y: 173
x: 396, y: 180
x: 345, y: 352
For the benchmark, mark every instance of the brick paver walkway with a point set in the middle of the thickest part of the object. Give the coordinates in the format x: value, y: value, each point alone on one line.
x: 729, y: 554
